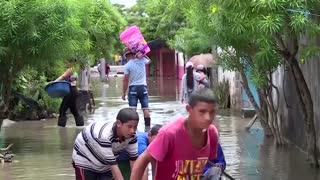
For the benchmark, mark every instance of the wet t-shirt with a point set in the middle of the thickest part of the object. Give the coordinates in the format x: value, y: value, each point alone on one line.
x: 136, y: 69
x: 177, y: 158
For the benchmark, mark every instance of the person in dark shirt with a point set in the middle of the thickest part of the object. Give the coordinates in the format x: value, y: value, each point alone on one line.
x: 107, y: 70
x: 70, y: 100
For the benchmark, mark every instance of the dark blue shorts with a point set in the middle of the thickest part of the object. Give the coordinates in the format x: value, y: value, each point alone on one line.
x: 138, y: 92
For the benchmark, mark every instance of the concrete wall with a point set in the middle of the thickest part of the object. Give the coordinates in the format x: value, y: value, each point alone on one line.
x: 238, y: 97
x: 290, y: 109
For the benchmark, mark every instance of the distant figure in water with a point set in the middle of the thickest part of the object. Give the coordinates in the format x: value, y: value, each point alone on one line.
x: 204, y: 83
x: 107, y: 70
x: 190, y: 82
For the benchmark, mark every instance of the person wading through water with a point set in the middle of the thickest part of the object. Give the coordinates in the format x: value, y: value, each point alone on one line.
x: 70, y: 100
x: 135, y: 78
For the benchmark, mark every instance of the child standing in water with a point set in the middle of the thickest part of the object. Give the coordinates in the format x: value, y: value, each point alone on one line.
x: 136, y: 81
x: 183, y: 147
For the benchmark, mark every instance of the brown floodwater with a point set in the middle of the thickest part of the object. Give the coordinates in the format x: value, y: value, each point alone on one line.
x: 43, y: 151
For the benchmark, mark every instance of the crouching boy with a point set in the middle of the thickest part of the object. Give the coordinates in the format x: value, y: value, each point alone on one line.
x: 97, y: 147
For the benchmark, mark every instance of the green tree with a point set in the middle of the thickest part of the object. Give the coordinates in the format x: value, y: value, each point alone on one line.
x: 156, y: 18
x: 261, y: 35
x: 35, y: 32
x: 40, y: 34
x: 191, y: 42
x: 104, y: 27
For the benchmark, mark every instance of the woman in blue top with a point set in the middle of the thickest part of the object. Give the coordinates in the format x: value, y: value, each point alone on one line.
x: 70, y: 100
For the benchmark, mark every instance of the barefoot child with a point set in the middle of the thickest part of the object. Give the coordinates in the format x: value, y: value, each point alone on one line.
x: 97, y: 147
x: 183, y: 147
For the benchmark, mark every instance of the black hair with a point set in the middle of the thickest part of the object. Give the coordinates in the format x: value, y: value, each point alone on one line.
x: 155, y: 129
x: 130, y: 56
x: 190, y: 83
x: 127, y: 114
x: 204, y: 70
x: 202, y: 95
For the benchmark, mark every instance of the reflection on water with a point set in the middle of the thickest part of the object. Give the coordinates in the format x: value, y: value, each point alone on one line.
x: 43, y: 151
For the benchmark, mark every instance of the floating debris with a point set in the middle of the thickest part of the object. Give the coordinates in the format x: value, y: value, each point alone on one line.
x: 6, y: 155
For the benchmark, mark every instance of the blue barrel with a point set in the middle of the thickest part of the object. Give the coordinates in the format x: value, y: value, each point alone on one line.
x: 58, y: 89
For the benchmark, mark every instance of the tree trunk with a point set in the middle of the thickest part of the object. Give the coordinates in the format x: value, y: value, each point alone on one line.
x: 289, y: 51
x: 273, y: 111
x: 306, y: 103
x: 264, y: 110
x: 7, y: 93
x: 3, y: 105
x: 259, y: 112
x: 7, y: 80
x: 266, y: 99
x: 272, y: 121
x: 282, y: 138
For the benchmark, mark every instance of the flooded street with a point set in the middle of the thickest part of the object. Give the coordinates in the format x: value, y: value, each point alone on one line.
x: 43, y: 151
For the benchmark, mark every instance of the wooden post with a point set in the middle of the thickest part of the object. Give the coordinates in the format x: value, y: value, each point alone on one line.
x: 252, y: 121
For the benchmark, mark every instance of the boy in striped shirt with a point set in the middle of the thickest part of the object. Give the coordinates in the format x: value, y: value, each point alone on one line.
x: 97, y: 147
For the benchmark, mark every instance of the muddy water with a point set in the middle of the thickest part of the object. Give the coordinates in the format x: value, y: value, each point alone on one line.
x: 43, y: 151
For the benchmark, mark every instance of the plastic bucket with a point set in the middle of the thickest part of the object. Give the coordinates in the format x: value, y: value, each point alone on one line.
x: 134, y: 40
x: 58, y: 89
